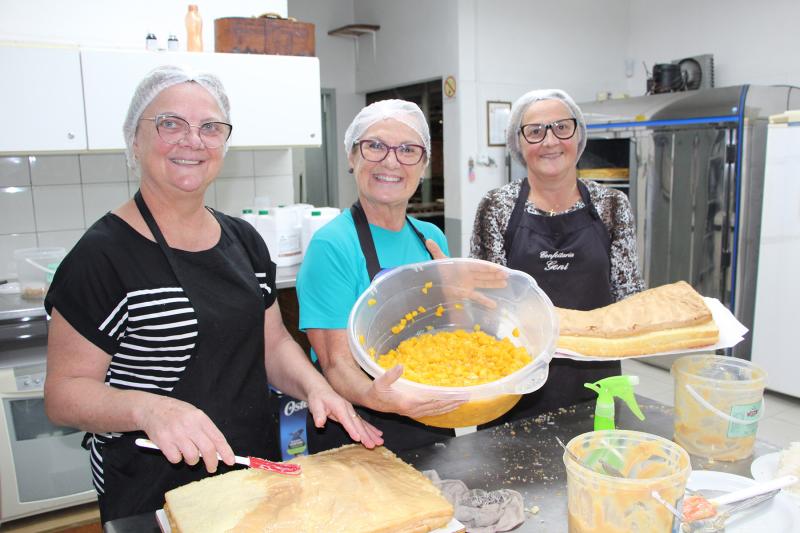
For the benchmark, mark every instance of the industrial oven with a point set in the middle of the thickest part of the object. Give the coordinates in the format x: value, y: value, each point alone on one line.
x: 693, y: 164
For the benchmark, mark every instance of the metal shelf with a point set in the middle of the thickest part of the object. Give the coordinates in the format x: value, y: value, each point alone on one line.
x: 354, y: 31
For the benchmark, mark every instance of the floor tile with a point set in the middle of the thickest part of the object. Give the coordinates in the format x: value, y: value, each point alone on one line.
x: 778, y: 404
x: 778, y: 432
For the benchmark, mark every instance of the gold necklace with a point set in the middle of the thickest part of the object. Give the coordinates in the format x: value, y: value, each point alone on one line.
x: 554, y: 208
x: 552, y: 211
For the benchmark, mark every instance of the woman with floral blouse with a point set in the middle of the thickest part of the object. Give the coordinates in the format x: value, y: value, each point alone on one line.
x: 576, y: 238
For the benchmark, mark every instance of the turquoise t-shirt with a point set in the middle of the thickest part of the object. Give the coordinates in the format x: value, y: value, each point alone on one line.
x: 334, y: 271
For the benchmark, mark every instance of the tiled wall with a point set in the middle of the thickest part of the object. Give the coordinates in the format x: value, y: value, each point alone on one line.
x: 50, y: 200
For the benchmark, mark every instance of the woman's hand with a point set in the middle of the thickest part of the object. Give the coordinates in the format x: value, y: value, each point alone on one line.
x: 395, y: 401
x: 461, y: 281
x: 184, y: 432
x: 324, y: 403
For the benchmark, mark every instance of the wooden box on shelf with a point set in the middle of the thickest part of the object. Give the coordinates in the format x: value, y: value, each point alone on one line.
x: 267, y: 34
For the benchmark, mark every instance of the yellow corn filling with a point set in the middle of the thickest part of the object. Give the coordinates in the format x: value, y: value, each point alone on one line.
x: 455, y: 358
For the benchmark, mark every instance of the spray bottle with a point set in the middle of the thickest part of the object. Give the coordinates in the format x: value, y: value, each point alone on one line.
x: 607, y: 389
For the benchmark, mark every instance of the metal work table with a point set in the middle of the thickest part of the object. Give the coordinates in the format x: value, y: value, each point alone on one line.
x: 523, y: 456
x: 14, y: 307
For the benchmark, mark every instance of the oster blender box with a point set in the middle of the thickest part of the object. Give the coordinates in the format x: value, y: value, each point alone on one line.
x: 292, y: 425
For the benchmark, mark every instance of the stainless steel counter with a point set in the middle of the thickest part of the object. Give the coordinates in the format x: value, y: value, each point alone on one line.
x: 285, y: 277
x: 523, y: 456
x: 13, y: 307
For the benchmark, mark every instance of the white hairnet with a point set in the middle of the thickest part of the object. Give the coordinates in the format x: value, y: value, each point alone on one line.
x: 521, y: 106
x: 408, y: 113
x: 151, y: 86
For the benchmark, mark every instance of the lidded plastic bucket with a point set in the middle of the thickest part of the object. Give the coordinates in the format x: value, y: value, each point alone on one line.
x: 718, y: 403
x: 597, y: 501
x: 35, y: 269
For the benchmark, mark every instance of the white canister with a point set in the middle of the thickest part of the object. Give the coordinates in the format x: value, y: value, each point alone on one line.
x: 313, y: 220
x: 249, y: 215
x: 280, y: 229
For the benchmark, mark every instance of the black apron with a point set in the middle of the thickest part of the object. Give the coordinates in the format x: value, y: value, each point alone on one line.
x: 225, y: 376
x: 569, y: 257
x: 400, y: 433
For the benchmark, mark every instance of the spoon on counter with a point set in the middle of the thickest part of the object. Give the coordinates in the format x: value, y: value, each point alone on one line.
x: 697, y: 507
x: 716, y: 524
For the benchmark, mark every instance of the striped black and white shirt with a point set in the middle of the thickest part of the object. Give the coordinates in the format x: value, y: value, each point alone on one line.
x: 117, y: 289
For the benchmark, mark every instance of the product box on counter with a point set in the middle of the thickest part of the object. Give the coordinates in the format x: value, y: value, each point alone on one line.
x: 266, y: 34
x: 291, y: 425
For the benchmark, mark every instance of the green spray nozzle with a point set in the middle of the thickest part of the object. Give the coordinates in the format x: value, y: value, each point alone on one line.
x: 607, y: 389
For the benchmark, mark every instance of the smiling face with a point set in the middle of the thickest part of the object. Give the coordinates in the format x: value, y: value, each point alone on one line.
x: 552, y: 158
x: 187, y: 166
x: 387, y: 182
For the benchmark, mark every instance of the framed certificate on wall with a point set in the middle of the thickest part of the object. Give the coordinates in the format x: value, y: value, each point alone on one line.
x: 497, y: 115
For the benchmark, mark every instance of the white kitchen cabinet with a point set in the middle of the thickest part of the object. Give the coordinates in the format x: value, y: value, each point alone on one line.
x: 274, y: 99
x: 42, y: 99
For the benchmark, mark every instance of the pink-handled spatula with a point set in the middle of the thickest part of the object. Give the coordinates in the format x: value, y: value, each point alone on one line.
x: 288, y: 469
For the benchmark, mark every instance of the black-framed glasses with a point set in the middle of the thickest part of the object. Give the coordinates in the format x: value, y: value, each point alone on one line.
x: 563, y: 129
x: 376, y: 151
x: 173, y: 129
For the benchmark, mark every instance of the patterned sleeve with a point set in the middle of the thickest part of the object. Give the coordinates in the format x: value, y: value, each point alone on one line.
x: 491, y: 220
x: 625, y: 276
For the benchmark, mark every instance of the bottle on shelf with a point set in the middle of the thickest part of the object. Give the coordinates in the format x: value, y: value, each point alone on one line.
x: 151, y: 43
x: 172, y: 43
x: 194, y: 29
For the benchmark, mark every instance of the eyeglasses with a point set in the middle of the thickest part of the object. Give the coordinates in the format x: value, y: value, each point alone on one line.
x: 173, y: 130
x: 377, y: 151
x: 563, y: 129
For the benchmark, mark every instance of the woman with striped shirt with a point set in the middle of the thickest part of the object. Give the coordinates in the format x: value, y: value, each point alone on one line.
x: 164, y: 316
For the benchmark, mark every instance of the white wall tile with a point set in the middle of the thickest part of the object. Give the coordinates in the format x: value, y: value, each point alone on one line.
x: 58, y: 207
x: 133, y: 186
x: 278, y: 188
x: 54, y: 169
x: 272, y: 162
x: 237, y: 164
x: 233, y: 194
x: 100, y: 198
x: 16, y: 210
x: 9, y: 243
x: 14, y: 172
x: 103, y: 168
x: 66, y: 239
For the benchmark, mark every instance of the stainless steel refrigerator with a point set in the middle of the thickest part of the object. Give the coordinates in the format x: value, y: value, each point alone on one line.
x: 693, y: 165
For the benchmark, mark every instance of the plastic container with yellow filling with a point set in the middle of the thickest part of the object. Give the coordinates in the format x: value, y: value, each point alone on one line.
x: 450, y: 295
x: 601, y: 503
x: 718, y: 403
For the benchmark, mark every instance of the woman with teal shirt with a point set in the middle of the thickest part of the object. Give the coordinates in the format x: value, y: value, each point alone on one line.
x: 388, y: 148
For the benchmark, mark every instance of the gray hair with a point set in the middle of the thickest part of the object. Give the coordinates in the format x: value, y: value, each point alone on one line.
x: 521, y: 106
x: 408, y: 113
x: 151, y: 86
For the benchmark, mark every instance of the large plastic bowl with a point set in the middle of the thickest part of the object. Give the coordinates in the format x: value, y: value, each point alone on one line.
x: 458, y: 285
